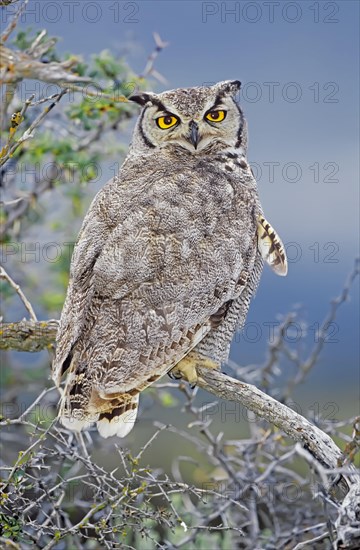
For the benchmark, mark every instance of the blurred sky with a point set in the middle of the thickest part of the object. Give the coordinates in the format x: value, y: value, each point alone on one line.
x: 299, y: 66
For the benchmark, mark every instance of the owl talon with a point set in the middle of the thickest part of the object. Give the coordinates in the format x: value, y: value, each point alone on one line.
x: 186, y: 368
x: 174, y: 375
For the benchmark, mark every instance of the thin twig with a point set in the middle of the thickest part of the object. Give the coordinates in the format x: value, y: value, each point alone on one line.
x: 4, y: 275
x: 307, y: 365
x: 12, y: 25
x: 28, y: 133
x: 310, y: 542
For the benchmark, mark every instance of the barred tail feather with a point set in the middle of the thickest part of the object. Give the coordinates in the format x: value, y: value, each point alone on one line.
x: 113, y: 417
x: 120, y: 421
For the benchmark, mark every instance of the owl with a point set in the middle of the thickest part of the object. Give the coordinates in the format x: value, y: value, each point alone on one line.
x: 167, y: 259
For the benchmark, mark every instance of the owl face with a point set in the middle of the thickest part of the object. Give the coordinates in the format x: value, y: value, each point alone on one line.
x: 194, y: 119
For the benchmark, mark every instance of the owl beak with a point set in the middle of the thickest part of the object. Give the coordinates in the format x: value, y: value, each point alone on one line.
x: 194, y: 137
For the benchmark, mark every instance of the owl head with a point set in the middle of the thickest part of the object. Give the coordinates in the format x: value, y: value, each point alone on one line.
x: 195, y: 119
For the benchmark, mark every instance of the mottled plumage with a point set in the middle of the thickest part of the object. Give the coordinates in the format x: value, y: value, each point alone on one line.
x: 167, y: 258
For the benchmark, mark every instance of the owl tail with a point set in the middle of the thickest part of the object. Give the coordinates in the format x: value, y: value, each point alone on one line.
x: 118, y: 419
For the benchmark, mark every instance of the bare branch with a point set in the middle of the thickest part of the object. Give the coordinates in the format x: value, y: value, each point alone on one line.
x: 149, y: 68
x: 12, y: 25
x: 12, y: 133
x: 28, y: 335
x: 307, y: 365
x: 28, y: 133
x: 318, y: 443
x: 17, y: 65
x: 348, y: 522
x: 310, y: 542
x: 17, y: 288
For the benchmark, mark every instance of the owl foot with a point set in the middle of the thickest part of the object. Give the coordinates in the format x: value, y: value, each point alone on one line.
x: 186, y: 368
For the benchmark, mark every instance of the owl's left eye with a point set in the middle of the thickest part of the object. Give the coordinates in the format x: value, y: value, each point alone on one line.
x: 165, y: 122
x: 215, y: 116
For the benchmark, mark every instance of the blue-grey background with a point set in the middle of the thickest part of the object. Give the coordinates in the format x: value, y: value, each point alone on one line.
x: 299, y: 67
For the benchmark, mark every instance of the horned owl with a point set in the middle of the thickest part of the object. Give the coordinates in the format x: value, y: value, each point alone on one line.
x: 167, y: 259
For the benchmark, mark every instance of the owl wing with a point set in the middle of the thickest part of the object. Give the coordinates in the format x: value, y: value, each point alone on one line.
x: 91, y: 239
x: 130, y: 301
x: 132, y: 312
x: 102, y: 218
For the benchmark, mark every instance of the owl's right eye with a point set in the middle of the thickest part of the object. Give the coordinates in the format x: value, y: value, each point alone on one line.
x: 165, y: 122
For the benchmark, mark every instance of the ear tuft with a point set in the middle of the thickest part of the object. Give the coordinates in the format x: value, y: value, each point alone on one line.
x: 229, y: 87
x: 142, y: 98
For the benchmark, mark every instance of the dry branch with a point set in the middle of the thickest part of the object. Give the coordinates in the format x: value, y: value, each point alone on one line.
x: 318, y: 443
x: 13, y: 23
x: 348, y: 523
x: 28, y: 134
x: 28, y: 335
x: 17, y: 65
x: 34, y: 336
x: 4, y: 275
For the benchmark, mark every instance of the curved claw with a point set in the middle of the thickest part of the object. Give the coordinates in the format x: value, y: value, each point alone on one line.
x: 186, y: 368
x: 174, y: 375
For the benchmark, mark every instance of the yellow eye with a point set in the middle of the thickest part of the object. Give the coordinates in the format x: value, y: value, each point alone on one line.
x: 215, y: 116
x: 165, y: 122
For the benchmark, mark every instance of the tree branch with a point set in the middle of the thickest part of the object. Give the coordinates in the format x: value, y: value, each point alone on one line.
x: 348, y: 522
x: 317, y: 442
x: 28, y: 335
x: 28, y: 134
x: 35, y: 336
x: 17, y: 288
